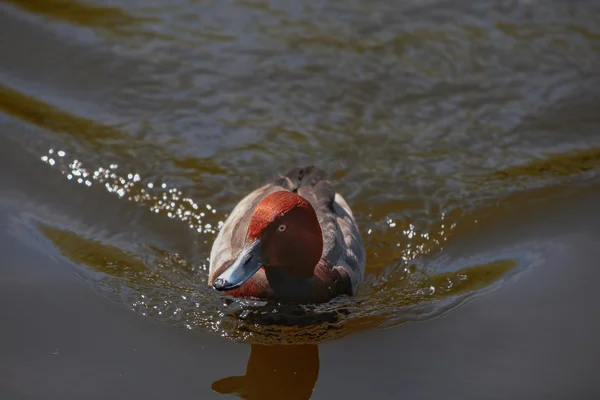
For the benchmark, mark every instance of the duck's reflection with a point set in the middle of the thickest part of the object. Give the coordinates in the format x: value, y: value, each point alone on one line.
x: 275, y: 372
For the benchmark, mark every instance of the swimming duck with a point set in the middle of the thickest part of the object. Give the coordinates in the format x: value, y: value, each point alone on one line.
x: 292, y: 240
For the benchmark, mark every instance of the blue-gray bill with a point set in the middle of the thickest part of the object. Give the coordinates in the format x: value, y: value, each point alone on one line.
x: 244, y: 266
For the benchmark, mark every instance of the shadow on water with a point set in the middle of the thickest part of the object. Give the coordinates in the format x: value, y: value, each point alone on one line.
x: 275, y: 372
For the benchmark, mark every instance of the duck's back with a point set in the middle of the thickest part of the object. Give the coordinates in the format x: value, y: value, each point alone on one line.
x: 343, y: 247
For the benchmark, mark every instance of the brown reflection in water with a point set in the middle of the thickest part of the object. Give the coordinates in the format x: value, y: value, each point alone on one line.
x: 81, y: 13
x: 275, y: 372
x: 101, y: 257
x: 103, y: 138
x: 554, y: 165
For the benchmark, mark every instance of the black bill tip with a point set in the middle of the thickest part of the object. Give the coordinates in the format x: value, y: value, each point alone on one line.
x: 220, y: 284
x: 223, y: 284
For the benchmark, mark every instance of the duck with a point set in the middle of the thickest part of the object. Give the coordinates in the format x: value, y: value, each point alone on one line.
x: 294, y: 239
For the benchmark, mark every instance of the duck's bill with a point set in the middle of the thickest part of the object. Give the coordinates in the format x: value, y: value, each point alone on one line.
x: 247, y: 263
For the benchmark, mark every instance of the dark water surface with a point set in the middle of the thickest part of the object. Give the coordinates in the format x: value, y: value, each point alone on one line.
x: 464, y: 135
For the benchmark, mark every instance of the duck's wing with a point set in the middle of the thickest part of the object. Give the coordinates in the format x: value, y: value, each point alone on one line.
x: 343, y: 246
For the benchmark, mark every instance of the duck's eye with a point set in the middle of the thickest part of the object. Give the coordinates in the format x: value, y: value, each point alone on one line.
x: 281, y: 228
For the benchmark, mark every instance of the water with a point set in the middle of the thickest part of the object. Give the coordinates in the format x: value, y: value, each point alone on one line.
x: 464, y: 137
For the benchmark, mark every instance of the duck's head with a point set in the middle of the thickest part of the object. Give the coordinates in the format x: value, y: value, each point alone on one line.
x: 284, y: 236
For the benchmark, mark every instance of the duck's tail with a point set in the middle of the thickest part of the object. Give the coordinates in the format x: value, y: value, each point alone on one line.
x: 303, y: 177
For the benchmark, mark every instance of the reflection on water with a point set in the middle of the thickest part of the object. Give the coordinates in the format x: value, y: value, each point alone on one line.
x: 432, y: 122
x: 275, y: 372
x: 112, y: 19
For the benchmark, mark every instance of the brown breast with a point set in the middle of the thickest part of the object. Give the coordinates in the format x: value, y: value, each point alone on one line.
x: 273, y: 284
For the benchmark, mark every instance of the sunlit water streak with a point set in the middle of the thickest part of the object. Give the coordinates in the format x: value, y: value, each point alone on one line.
x: 157, y: 196
x: 167, y: 287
